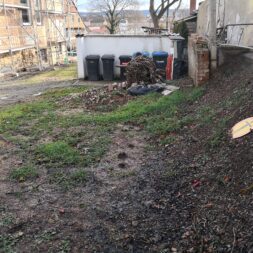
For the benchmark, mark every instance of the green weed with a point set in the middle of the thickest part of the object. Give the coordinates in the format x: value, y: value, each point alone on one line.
x: 124, y: 174
x: 206, y: 115
x: 58, y: 152
x: 65, y: 246
x: 78, y: 177
x: 7, y: 243
x: 69, y: 180
x: 24, y: 173
x: 6, y: 221
x: 219, y: 133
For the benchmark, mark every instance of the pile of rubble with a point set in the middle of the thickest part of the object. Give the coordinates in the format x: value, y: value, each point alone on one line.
x: 114, y: 95
x: 103, y: 99
x: 106, y: 98
x: 142, y: 70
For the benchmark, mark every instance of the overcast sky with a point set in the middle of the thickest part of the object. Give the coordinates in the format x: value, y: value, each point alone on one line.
x: 84, y: 6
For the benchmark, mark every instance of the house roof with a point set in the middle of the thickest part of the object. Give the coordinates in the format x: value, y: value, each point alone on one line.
x: 190, y: 18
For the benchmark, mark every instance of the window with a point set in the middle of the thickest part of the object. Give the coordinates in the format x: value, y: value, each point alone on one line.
x: 24, y: 2
x: 25, y: 17
x: 60, y: 48
x: 37, y: 4
x: 37, y: 12
x: 38, y: 17
x: 43, y: 53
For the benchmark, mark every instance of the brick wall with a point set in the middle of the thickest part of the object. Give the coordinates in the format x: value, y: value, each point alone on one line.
x: 198, y: 54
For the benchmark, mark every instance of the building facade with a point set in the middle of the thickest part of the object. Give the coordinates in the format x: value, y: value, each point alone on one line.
x: 37, y: 33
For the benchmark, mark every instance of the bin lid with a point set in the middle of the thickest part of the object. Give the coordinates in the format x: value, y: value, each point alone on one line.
x: 108, y: 57
x: 160, y: 53
x: 145, y: 53
x: 137, y: 54
x: 92, y: 57
x: 125, y: 57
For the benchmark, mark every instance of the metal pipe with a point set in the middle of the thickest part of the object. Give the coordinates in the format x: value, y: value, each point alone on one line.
x: 239, y: 24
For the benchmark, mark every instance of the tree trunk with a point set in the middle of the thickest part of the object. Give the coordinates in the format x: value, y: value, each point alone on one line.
x: 157, y: 13
x: 156, y: 22
x: 154, y: 17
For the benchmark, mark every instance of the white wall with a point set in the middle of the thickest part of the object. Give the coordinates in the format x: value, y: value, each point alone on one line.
x: 118, y: 45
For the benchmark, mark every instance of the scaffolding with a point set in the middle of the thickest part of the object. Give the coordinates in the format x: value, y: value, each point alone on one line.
x: 42, y: 31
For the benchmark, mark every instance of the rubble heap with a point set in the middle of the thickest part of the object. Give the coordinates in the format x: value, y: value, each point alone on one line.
x: 142, y: 70
x: 102, y: 99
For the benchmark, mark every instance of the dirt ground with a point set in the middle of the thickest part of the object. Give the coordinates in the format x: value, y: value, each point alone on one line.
x: 11, y: 93
x: 27, y: 87
x: 193, y: 194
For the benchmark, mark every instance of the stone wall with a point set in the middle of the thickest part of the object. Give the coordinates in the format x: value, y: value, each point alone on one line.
x: 28, y: 58
x: 198, y: 54
x: 20, y: 60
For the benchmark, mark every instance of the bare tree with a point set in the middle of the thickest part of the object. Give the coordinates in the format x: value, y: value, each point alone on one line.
x: 157, y: 10
x: 113, y: 11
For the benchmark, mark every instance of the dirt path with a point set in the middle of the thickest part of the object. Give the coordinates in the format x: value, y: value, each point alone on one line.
x: 11, y: 93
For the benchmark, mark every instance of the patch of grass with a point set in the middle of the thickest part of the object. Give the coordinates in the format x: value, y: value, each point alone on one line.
x: 65, y: 246
x: 7, y: 243
x: 168, y: 140
x: 69, y: 180
x: 58, y: 152
x: 62, y: 92
x: 97, y: 149
x: 59, y: 74
x: 124, y: 174
x: 219, y: 133
x: 169, y: 173
x: 78, y: 177
x: 206, y: 115
x: 24, y: 173
x: 45, y: 236
x: 6, y: 221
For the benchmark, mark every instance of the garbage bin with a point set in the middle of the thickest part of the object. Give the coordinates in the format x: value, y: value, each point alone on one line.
x: 160, y: 59
x: 108, y: 67
x: 143, y: 53
x: 92, y: 62
x: 124, y: 60
x: 137, y: 54
x: 146, y: 54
